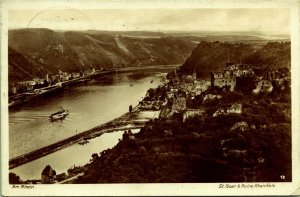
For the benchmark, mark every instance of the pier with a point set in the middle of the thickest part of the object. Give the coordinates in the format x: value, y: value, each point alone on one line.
x: 124, y: 122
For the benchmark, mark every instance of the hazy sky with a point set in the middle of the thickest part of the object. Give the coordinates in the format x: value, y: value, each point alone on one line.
x: 264, y: 20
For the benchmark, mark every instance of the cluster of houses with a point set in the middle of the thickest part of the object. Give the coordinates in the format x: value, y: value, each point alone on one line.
x: 179, y: 89
x: 151, y: 105
x: 248, y: 79
x: 36, y: 83
x: 58, y: 48
x: 234, y: 77
x: 233, y: 109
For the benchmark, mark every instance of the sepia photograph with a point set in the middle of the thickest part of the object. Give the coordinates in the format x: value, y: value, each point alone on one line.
x: 127, y: 94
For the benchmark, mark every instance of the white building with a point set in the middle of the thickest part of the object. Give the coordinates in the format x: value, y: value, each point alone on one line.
x: 234, y: 109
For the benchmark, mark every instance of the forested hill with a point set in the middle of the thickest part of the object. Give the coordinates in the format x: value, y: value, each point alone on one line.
x: 272, y: 55
x: 74, y: 51
x: 212, y: 56
x: 22, y: 67
x: 35, y: 52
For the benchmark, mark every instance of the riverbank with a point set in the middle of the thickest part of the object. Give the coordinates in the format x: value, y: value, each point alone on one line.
x: 194, y: 146
x: 163, y: 67
x: 19, y: 99
x: 124, y: 122
x: 90, y: 104
x: 53, y: 154
x: 204, y: 148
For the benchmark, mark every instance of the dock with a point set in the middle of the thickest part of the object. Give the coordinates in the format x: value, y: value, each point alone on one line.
x: 121, y: 123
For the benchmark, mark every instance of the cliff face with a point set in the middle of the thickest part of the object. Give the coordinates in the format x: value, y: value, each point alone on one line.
x: 212, y: 56
x: 73, y: 51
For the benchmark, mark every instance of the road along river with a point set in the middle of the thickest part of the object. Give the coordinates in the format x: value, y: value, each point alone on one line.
x: 90, y: 104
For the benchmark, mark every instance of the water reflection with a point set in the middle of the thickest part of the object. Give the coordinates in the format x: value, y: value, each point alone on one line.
x: 64, y: 159
x: 138, y: 76
x: 90, y: 104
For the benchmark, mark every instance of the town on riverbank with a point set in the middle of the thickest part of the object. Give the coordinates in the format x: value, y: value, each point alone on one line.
x: 24, y: 91
x: 235, y: 128
x: 206, y: 131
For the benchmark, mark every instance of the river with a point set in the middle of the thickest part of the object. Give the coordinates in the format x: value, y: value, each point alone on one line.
x: 90, y: 104
x: 64, y: 159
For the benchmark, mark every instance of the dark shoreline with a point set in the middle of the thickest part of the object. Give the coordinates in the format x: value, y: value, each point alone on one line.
x: 19, y: 103
x: 107, y: 127
x: 28, y: 97
x: 111, y: 126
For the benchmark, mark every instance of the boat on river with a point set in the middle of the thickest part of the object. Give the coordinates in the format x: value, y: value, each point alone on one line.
x: 61, y: 114
x: 83, y: 141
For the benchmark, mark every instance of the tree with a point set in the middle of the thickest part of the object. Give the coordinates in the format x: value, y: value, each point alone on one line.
x: 14, y: 179
x: 151, y: 92
x: 46, y: 83
x: 94, y: 156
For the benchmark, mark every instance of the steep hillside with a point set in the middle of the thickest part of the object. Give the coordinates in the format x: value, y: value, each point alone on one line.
x: 22, y: 67
x: 209, y: 56
x: 48, y: 51
x: 46, y: 47
x: 203, y: 149
x: 167, y: 50
x: 212, y: 56
x: 74, y: 51
x: 272, y: 55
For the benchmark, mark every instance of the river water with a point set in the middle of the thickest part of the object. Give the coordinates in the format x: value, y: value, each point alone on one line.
x: 90, y: 104
x: 64, y: 159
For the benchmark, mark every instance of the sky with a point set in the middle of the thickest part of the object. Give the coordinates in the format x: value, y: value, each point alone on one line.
x: 265, y: 20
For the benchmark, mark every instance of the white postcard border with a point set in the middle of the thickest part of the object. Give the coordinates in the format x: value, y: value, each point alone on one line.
x: 153, y: 189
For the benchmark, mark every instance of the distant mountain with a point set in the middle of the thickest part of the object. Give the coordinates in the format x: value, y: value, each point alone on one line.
x: 233, y: 36
x: 129, y: 33
x: 34, y: 52
x: 212, y: 56
x: 73, y: 51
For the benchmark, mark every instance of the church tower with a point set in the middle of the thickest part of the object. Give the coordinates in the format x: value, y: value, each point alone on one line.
x: 194, y: 74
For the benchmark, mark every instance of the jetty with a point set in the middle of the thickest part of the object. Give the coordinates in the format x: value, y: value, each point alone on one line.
x: 124, y: 122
